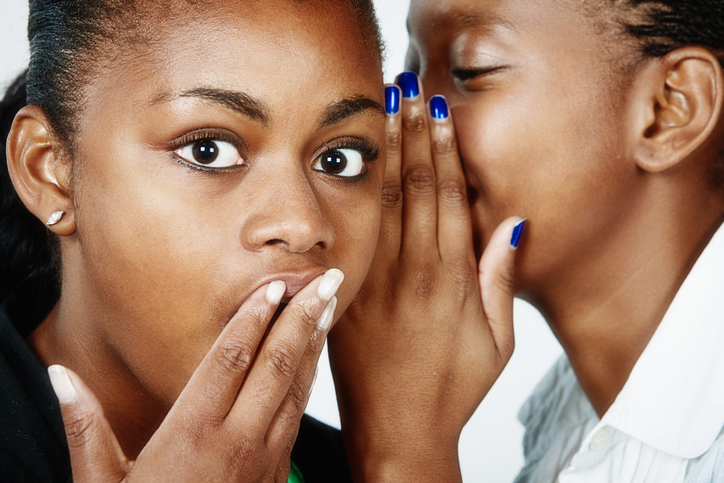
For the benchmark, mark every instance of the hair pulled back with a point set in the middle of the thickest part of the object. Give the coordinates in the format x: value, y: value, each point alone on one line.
x: 662, y: 26
x: 69, y: 41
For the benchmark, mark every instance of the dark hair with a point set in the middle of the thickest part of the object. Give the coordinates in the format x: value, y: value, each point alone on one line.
x: 69, y: 41
x: 29, y: 282
x: 662, y: 26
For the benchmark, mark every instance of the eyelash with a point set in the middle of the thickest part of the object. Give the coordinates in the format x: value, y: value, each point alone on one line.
x: 464, y: 74
x: 370, y: 152
x: 210, y: 134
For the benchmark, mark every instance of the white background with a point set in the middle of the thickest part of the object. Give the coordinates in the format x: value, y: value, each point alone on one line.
x: 490, y: 447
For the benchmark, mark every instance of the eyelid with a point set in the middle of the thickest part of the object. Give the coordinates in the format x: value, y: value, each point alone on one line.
x: 212, y: 134
x: 468, y: 73
x: 370, y: 150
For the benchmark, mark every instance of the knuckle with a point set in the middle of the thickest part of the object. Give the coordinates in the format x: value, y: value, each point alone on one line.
x: 445, y: 145
x: 420, y: 178
x: 80, y: 429
x: 298, y: 396
x: 414, y: 122
x: 506, y: 280
x: 452, y: 190
x: 424, y: 282
x: 392, y: 196
x: 235, y: 355
x: 282, y: 360
x: 393, y: 140
x: 463, y: 276
x: 307, y: 311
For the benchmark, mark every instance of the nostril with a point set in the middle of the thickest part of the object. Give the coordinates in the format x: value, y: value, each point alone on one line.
x: 275, y: 241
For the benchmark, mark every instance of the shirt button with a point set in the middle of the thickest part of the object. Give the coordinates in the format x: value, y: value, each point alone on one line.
x: 599, y: 441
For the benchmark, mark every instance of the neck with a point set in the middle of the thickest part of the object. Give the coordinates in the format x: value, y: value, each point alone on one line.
x: 606, y: 304
x: 130, y: 409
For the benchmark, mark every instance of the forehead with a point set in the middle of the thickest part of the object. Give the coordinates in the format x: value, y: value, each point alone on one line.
x: 521, y: 16
x: 312, y: 52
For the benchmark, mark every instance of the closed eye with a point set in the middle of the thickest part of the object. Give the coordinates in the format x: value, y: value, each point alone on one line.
x: 467, y: 73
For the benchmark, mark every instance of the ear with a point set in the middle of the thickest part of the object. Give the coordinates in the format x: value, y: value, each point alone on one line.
x: 40, y: 178
x: 679, y: 101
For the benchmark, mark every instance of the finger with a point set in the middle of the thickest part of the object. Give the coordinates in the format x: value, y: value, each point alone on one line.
x: 497, y: 278
x: 220, y: 375
x: 454, y: 226
x: 286, y: 422
x: 270, y: 378
x: 391, y: 224
x: 419, y: 225
x: 95, y: 454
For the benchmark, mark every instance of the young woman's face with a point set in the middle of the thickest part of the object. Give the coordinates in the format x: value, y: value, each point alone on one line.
x: 539, y: 109
x: 209, y: 164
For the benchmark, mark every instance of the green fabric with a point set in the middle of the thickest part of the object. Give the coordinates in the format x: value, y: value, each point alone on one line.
x: 295, y: 476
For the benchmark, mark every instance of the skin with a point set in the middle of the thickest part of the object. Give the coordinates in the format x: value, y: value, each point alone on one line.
x: 608, y: 156
x: 548, y: 136
x: 158, y: 256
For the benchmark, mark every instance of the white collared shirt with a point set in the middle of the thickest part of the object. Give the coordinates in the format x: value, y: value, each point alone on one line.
x: 666, y: 424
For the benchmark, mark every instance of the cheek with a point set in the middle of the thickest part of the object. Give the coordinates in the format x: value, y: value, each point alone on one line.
x: 156, y: 257
x: 357, y: 230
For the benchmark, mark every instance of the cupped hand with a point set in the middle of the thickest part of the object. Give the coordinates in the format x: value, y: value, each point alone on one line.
x: 238, y: 416
x: 431, y: 330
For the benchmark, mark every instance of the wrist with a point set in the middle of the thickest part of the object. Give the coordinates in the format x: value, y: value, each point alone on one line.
x: 396, y: 455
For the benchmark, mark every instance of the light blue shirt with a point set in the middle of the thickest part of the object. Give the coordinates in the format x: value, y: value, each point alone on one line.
x: 665, y: 425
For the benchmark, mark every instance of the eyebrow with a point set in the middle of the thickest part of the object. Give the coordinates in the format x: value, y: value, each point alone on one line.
x: 237, y: 101
x: 350, y: 107
x: 480, y: 19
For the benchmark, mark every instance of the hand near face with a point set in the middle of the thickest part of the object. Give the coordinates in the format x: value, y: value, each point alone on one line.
x: 431, y: 330
x: 238, y: 416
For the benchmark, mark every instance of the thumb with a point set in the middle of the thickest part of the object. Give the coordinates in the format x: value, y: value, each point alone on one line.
x: 95, y: 454
x: 496, y: 274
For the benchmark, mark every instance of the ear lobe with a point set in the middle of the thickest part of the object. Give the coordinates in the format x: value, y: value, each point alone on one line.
x: 682, y: 107
x: 40, y: 178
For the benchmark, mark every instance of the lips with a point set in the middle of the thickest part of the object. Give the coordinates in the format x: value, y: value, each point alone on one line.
x: 295, y: 281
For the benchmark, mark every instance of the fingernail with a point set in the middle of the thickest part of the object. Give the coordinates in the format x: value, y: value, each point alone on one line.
x: 392, y: 99
x: 325, y: 320
x: 330, y: 283
x: 438, y: 107
x: 517, y: 232
x: 275, y: 292
x: 62, y: 385
x: 408, y: 84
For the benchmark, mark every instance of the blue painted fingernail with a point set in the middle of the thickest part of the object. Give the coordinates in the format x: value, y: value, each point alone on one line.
x: 438, y: 107
x: 408, y: 83
x: 517, y: 232
x: 392, y: 99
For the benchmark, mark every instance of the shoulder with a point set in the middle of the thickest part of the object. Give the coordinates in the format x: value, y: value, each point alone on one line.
x: 32, y: 439
x: 319, y: 453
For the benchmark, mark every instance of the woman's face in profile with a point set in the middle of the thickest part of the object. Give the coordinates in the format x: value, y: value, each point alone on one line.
x: 538, y: 107
x: 241, y: 147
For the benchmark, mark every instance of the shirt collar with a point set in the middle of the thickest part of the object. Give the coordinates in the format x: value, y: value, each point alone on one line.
x: 674, y: 398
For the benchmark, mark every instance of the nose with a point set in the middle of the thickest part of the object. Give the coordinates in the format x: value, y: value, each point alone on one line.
x: 286, y: 215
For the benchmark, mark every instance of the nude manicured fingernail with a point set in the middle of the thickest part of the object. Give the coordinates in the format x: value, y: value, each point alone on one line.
x: 62, y: 385
x: 325, y: 320
x: 330, y: 283
x: 275, y: 292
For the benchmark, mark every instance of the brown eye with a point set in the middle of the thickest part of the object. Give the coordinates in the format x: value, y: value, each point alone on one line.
x: 211, y: 154
x: 334, y: 162
x: 205, y: 152
x: 346, y: 163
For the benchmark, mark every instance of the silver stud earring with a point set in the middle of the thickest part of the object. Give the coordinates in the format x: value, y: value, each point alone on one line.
x: 55, y: 218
